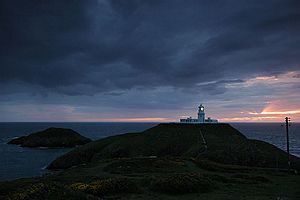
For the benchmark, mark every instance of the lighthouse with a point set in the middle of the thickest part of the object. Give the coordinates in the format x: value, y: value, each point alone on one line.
x: 201, y: 114
x: 200, y: 119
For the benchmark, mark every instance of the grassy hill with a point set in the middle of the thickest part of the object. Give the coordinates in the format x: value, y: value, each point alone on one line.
x: 225, y: 145
x: 168, y: 161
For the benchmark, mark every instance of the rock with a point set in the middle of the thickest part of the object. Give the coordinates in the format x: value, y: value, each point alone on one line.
x: 51, y: 137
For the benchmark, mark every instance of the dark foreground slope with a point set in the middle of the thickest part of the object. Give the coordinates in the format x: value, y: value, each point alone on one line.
x: 51, y: 137
x: 225, y: 145
x: 168, y: 161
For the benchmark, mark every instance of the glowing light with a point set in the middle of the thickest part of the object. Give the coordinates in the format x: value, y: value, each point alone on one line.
x: 266, y: 78
x: 290, y: 112
x: 240, y: 119
x: 275, y: 109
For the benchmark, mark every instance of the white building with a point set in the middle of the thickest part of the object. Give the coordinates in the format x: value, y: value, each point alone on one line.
x: 201, y: 117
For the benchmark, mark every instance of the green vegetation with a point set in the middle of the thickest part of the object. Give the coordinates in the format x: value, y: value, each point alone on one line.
x: 44, y: 190
x: 51, y: 137
x: 225, y: 145
x: 170, y: 165
x: 185, y: 180
x: 182, y: 183
x: 106, y: 186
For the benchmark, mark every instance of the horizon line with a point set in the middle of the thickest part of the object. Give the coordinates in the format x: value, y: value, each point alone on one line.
x: 137, y: 122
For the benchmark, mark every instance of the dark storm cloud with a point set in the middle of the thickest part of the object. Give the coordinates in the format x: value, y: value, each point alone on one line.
x: 89, y: 47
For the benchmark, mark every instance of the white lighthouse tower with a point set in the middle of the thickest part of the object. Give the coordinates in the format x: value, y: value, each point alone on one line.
x: 201, y: 114
x: 201, y: 117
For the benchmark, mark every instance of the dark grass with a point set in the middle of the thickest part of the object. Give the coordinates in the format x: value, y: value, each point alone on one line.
x: 160, y: 163
x: 182, y: 183
x: 225, y: 145
x: 193, y: 182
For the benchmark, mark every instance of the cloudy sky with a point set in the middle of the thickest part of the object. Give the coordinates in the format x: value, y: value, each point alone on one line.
x: 149, y: 60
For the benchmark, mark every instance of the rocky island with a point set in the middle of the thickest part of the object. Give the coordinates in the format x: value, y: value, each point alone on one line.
x: 168, y: 161
x: 51, y: 137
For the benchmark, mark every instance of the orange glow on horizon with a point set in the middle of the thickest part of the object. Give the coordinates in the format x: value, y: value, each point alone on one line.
x: 146, y: 119
x: 266, y: 78
x: 276, y: 110
x: 141, y: 119
x: 247, y: 119
x: 290, y: 112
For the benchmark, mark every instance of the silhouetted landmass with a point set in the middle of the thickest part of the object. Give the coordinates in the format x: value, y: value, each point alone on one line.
x: 168, y: 161
x: 51, y: 137
x: 225, y: 145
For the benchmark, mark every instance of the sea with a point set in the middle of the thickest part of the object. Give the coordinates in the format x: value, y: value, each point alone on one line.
x: 18, y: 162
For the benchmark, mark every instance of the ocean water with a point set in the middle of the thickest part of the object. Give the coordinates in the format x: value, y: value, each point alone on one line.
x: 273, y: 133
x: 17, y: 162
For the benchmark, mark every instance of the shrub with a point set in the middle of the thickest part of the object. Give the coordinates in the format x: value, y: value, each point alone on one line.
x: 30, y: 192
x: 79, y: 187
x: 182, y: 183
x: 218, y: 178
x: 252, y: 179
x: 43, y: 190
x: 106, y: 186
x: 218, y: 167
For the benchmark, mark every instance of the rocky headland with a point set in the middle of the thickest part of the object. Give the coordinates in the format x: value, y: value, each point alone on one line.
x: 168, y: 161
x: 52, y: 138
